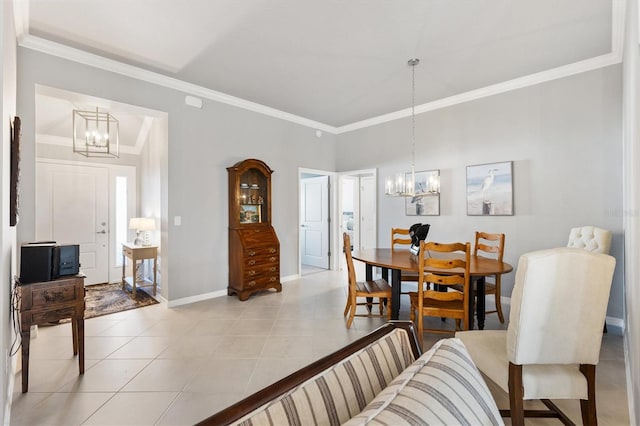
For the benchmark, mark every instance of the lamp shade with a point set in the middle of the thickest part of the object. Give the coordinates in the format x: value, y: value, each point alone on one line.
x: 142, y: 223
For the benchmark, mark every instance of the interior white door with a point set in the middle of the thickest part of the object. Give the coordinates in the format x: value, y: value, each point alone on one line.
x: 314, y: 221
x: 72, y: 208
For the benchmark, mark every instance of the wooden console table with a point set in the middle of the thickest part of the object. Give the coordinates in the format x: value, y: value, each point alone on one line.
x: 136, y: 253
x: 50, y: 301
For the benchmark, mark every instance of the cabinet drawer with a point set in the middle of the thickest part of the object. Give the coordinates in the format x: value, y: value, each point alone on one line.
x: 127, y: 251
x: 260, y: 281
x: 261, y: 271
x: 262, y: 260
x: 55, y: 295
x: 261, y: 251
x: 258, y: 237
x: 51, y: 315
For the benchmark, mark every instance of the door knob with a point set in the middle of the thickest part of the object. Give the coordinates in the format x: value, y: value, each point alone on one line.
x: 101, y: 232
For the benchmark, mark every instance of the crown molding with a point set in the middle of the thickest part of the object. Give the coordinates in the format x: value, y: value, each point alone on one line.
x: 21, y: 13
x: 506, y: 86
x: 62, y: 51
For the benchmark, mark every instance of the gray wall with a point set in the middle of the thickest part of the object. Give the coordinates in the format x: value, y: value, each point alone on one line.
x: 7, y: 233
x: 631, y: 124
x: 564, y: 138
x: 202, y: 143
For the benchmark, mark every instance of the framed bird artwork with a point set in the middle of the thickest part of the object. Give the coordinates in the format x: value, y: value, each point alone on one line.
x: 490, y: 189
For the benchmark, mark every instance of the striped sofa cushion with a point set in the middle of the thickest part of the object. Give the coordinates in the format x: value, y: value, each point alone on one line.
x: 442, y: 387
x: 337, y: 394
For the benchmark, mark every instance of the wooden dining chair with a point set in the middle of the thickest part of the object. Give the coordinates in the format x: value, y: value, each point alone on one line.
x: 451, y: 272
x: 492, y: 244
x: 379, y: 289
x: 401, y: 237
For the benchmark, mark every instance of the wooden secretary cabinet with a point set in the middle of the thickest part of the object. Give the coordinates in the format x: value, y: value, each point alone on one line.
x: 254, y: 249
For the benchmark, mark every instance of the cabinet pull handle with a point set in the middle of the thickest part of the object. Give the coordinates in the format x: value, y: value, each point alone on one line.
x: 251, y: 283
x: 256, y: 230
x: 252, y: 253
x: 251, y: 273
x: 272, y: 258
x: 272, y: 269
x: 272, y: 279
x: 272, y: 250
x: 252, y: 262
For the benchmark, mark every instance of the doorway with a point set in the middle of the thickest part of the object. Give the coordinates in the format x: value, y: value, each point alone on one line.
x: 358, y: 209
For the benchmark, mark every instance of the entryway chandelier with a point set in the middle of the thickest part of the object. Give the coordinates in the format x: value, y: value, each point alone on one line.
x: 95, y: 134
x: 402, y: 185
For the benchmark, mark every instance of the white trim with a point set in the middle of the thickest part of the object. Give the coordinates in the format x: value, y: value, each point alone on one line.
x: 290, y: 278
x: 80, y: 56
x: 10, y: 385
x: 506, y: 86
x: 68, y: 142
x: 143, y: 135
x: 56, y: 49
x: 194, y: 299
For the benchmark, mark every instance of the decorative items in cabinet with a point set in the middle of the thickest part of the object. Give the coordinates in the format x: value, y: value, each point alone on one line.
x: 254, y: 249
x: 50, y: 301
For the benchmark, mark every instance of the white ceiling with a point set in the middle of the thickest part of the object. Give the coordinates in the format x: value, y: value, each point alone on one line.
x: 335, y: 62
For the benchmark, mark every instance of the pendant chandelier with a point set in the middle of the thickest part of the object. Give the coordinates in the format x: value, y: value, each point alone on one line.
x: 95, y: 134
x: 403, y: 184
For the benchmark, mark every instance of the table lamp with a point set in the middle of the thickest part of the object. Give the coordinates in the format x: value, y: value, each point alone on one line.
x: 142, y: 225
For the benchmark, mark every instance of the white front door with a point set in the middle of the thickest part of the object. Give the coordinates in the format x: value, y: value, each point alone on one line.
x: 314, y: 221
x: 72, y: 208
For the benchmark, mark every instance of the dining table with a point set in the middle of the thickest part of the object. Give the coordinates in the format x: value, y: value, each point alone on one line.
x: 396, y: 261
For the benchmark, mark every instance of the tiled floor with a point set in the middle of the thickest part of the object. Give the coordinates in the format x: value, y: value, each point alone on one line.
x: 176, y: 366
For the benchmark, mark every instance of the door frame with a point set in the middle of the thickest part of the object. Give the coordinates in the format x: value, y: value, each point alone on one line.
x: 113, y: 170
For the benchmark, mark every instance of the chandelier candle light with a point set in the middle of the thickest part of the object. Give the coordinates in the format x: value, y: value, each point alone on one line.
x: 95, y: 134
x: 401, y: 186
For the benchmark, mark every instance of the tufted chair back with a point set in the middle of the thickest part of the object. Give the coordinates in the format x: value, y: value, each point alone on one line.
x: 590, y: 238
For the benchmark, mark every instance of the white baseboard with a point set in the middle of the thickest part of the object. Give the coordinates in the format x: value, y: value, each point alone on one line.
x: 198, y: 298
x: 289, y: 278
x: 10, y: 386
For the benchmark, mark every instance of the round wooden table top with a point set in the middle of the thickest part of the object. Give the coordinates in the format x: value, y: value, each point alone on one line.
x: 406, y: 261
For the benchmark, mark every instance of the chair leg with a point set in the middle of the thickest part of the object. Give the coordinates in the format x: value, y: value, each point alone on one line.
x: 498, y: 301
x: 516, y: 394
x: 588, y: 406
x: 347, y: 306
x: 352, y: 314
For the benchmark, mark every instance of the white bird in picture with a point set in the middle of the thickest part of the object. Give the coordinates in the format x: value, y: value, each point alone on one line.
x: 488, y: 181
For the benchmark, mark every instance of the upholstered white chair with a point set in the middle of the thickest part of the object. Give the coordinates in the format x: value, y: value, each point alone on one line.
x: 590, y: 238
x: 552, y: 345
x: 593, y: 239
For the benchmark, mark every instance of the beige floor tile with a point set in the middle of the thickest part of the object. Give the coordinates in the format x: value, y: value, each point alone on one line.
x: 212, y: 326
x: 106, y: 376
x: 233, y: 347
x: 164, y: 375
x: 288, y: 347
x: 100, y: 347
x: 56, y: 409
x: 190, y: 408
x: 252, y: 327
x: 131, y: 328
x: 223, y: 377
x: 48, y: 375
x: 142, y: 347
x: 192, y: 347
x: 51, y: 347
x: 133, y: 408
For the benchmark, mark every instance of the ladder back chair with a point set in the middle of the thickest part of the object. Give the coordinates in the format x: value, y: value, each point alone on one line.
x: 369, y: 289
x: 451, y: 272
x: 401, y: 237
x: 492, y: 244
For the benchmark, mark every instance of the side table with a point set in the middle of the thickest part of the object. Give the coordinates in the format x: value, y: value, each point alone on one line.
x: 135, y: 253
x: 49, y: 301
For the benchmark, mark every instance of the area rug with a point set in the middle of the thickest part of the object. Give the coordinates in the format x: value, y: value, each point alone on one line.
x: 103, y: 299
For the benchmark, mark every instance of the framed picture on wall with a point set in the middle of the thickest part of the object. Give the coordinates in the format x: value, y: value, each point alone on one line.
x: 14, y: 171
x: 490, y: 189
x: 426, y: 201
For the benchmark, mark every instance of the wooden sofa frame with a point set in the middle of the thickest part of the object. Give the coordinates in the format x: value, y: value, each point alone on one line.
x: 272, y: 392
